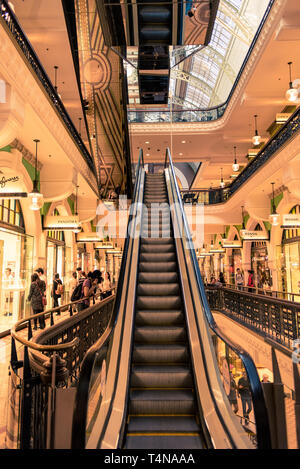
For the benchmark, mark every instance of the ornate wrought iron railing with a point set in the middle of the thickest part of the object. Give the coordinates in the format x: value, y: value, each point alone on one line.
x: 276, y: 319
x: 18, y: 35
x: 51, y: 360
x: 219, y: 195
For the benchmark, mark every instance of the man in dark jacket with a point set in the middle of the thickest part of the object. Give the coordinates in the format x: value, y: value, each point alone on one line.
x: 244, y: 391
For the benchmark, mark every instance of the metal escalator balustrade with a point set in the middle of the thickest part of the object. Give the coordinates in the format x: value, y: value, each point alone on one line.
x: 162, y: 407
x: 157, y: 382
x: 205, y: 324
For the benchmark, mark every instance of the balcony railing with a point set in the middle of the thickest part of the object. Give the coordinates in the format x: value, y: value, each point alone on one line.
x: 21, y: 40
x: 219, y: 195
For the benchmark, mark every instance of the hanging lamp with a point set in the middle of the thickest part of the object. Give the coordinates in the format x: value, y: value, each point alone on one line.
x: 292, y: 93
x: 256, y: 139
x: 235, y: 165
x: 274, y: 216
x: 36, y: 198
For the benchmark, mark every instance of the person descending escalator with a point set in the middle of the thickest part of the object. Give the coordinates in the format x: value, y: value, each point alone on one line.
x: 244, y: 391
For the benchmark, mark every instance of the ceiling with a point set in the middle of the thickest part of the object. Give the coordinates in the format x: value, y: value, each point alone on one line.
x: 263, y: 95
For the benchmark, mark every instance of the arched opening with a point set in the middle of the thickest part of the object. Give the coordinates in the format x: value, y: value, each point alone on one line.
x: 289, y: 258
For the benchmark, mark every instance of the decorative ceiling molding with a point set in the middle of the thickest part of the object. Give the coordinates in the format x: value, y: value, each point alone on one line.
x: 25, y: 153
x: 210, y: 126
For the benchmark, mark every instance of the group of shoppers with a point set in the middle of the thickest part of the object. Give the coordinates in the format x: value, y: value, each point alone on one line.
x: 85, y: 286
x: 239, y: 280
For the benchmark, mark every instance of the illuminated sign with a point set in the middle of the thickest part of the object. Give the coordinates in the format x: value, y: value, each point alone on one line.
x: 253, y: 235
x: 231, y: 244
x: 60, y: 222
x: 291, y: 220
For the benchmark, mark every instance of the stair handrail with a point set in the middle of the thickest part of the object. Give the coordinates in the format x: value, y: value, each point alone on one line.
x: 97, y: 351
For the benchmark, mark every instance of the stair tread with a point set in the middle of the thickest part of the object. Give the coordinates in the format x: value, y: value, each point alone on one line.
x: 162, y: 394
x: 162, y: 424
x: 164, y: 442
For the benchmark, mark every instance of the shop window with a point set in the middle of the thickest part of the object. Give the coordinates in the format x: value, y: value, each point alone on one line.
x: 292, y: 233
x: 11, y: 212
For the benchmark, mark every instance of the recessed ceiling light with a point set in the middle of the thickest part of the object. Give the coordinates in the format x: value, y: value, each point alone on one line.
x: 147, y: 154
x: 183, y: 141
x: 147, y: 142
x: 180, y: 154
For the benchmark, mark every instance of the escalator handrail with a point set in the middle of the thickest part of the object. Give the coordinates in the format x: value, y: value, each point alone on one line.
x: 98, y: 349
x: 260, y: 410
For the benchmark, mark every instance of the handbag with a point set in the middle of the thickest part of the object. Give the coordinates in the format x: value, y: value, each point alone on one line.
x: 44, y: 299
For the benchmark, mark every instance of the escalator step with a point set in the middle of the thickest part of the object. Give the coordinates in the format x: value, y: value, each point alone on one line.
x: 157, y: 241
x: 162, y: 402
x: 160, y: 335
x: 157, y: 257
x: 158, y: 277
x: 158, y: 266
x: 163, y: 424
x: 158, y: 289
x: 160, y: 376
x: 157, y: 248
x: 159, y: 318
x: 164, y: 442
x: 160, y: 354
x: 158, y: 302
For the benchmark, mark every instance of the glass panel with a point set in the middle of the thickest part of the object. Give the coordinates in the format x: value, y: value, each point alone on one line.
x: 16, y: 263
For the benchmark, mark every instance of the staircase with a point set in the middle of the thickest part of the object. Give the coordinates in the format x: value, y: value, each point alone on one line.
x: 162, y: 406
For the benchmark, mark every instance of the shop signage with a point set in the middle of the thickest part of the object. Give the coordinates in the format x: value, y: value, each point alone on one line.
x: 282, y: 117
x: 216, y: 250
x: 231, y: 244
x: 92, y: 237
x: 252, y: 152
x: 104, y: 246
x: 11, y: 185
x: 254, y: 235
x: 60, y: 222
x: 292, y: 219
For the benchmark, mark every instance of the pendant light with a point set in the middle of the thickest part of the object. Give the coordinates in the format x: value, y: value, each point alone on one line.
x: 256, y: 139
x: 235, y: 165
x: 243, y: 230
x: 274, y: 216
x: 35, y: 196
x: 78, y: 229
x: 292, y: 93
x: 222, y: 183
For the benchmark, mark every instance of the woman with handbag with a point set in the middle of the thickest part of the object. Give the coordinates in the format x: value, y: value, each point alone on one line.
x: 57, y: 291
x: 37, y: 298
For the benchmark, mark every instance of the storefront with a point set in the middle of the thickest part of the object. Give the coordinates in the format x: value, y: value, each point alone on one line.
x: 234, y: 262
x: 16, y: 264
x: 259, y: 265
x: 288, y: 258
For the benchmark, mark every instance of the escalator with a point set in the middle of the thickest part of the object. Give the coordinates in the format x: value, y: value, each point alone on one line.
x: 162, y: 405
x: 153, y: 379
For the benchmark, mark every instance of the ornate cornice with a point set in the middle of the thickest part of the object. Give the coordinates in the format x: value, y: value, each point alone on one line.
x: 191, y: 127
x: 25, y: 153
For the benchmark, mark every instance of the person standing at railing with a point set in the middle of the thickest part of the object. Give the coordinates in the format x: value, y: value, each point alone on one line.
x: 251, y: 281
x: 244, y: 391
x: 88, y: 288
x: 36, y: 297
x: 106, y: 285
x: 239, y: 279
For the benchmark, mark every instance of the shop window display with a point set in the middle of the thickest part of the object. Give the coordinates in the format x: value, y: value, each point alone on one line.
x: 16, y: 263
x: 288, y: 258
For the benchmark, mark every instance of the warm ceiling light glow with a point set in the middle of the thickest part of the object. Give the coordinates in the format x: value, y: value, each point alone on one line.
x: 180, y: 154
x: 256, y: 139
x: 183, y: 141
x: 274, y: 219
x: 147, y: 142
x: 292, y: 95
x: 36, y: 200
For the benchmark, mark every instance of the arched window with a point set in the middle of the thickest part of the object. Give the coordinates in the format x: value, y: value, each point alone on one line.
x: 57, y: 235
x: 11, y: 213
x: 292, y: 233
